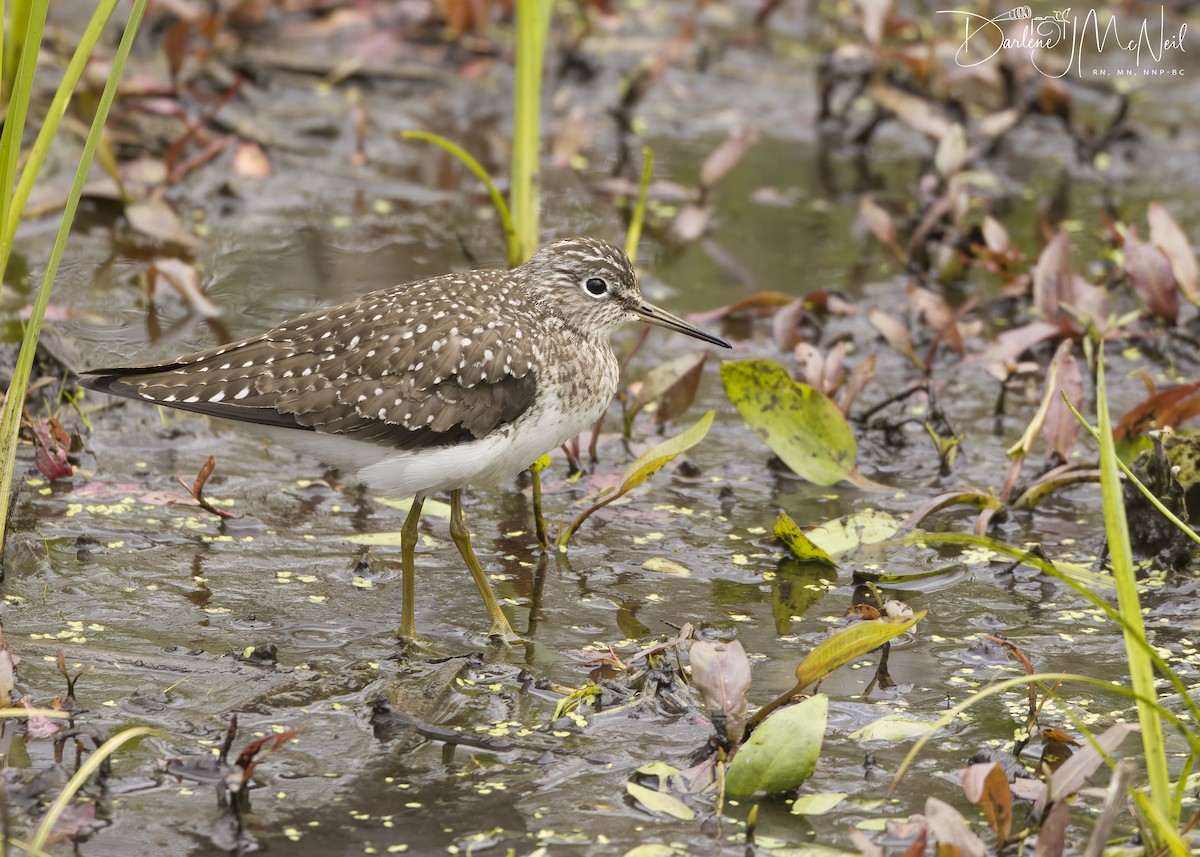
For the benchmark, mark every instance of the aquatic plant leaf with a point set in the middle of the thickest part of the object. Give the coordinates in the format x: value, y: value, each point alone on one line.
x: 914, y: 111
x: 646, y: 465
x: 728, y: 154
x: 691, y: 222
x: 674, y: 382
x: 172, y: 274
x: 817, y: 804
x: 782, y: 753
x: 1052, y: 835
x: 799, y: 424
x: 721, y: 672
x: 995, y: 235
x: 1160, y: 409
x: 847, y: 644
x: 844, y: 536
x: 660, y: 803
x: 986, y: 786
x: 951, y: 152
x: 1053, y: 279
x: 895, y: 334
x: 799, y: 544
x: 1060, y: 429
x: 879, y: 222
x: 874, y: 17
x: 1150, y: 276
x: 1072, y: 774
x: 155, y: 218
x: 893, y: 728
x: 1167, y: 235
x: 951, y: 830
x: 662, y: 565
x: 52, y: 447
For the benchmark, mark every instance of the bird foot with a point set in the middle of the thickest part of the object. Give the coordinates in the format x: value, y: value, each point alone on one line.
x: 503, y: 633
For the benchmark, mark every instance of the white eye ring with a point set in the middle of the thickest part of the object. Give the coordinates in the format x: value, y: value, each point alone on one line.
x: 595, y: 286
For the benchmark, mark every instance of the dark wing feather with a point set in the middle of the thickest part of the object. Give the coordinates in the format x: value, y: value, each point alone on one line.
x: 377, y: 369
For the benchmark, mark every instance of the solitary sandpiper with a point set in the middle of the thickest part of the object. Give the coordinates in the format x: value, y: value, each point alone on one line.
x: 462, y: 379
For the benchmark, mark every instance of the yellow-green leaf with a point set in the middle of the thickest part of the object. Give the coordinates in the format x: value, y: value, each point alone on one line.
x: 799, y: 544
x: 646, y: 465
x: 799, y: 423
x: 847, y: 644
x: 843, y: 536
x: 660, y: 802
x: 817, y: 804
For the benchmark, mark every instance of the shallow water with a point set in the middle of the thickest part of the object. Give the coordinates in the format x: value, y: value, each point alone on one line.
x: 110, y: 568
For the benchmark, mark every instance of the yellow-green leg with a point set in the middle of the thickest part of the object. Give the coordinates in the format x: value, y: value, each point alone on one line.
x: 408, y: 572
x: 462, y: 540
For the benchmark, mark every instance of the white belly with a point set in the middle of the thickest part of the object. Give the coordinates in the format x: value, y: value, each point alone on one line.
x: 487, y: 461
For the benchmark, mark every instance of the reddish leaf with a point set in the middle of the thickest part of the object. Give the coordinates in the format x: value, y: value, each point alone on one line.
x: 987, y: 786
x: 691, y: 222
x: 1165, y: 408
x: 895, y: 334
x: 1052, y: 835
x: 37, y: 725
x: 951, y: 830
x: 727, y: 155
x: 1061, y: 429
x: 1149, y: 272
x: 879, y: 222
x: 1167, y: 235
x: 860, y: 376
x: 1053, y: 280
x: 785, y: 325
x: 937, y: 315
x: 721, y: 672
x: 52, y: 446
x: 1011, y: 344
x: 754, y: 306
x: 174, y: 44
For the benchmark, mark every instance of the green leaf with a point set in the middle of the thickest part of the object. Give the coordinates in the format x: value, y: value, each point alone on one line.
x: 646, y: 465
x: 893, y: 728
x: 514, y: 255
x: 798, y: 543
x: 799, y: 423
x: 660, y: 802
x: 782, y: 753
x: 849, y: 643
x: 817, y: 804
x: 10, y: 416
x: 844, y: 536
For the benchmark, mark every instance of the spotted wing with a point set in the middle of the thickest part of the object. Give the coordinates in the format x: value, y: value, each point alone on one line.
x: 408, y: 367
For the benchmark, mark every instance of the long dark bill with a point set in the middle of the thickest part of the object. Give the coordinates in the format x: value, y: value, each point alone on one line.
x: 660, y: 317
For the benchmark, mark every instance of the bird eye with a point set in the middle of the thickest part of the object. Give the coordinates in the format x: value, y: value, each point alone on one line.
x: 596, y: 287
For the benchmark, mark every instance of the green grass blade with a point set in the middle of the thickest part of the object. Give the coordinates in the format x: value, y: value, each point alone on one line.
x: 58, y: 108
x: 506, y: 220
x: 533, y: 25
x: 10, y: 417
x: 1141, y: 670
x: 633, y: 235
x: 17, y: 110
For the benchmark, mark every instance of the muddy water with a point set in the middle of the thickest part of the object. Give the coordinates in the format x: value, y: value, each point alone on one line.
x: 165, y: 601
